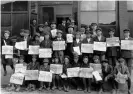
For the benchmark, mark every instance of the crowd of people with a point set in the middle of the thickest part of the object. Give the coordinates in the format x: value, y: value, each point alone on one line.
x: 113, y: 61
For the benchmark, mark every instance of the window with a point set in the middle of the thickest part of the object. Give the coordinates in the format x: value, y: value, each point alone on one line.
x: 6, y: 7
x: 101, y: 12
x: 129, y: 5
x: 20, y: 6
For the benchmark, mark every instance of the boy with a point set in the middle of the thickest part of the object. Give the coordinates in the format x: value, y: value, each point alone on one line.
x: 112, y: 52
x: 107, y: 71
x: 56, y: 77
x: 6, y: 41
x: 60, y: 53
x: 36, y: 39
x: 100, y: 38
x: 66, y: 81
x: 53, y: 32
x: 45, y: 67
x: 88, y: 40
x: 34, y: 65
x: 86, y: 81
x: 123, y: 69
x: 127, y: 54
x: 76, y: 63
x: 98, y: 83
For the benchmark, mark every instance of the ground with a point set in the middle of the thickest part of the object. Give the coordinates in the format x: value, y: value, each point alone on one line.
x: 5, y: 82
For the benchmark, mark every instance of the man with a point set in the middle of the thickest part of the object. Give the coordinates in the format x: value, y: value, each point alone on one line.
x: 127, y: 54
x: 74, y: 26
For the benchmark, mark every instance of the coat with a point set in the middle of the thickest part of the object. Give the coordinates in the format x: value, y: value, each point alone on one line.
x: 107, y: 73
x: 35, y: 43
x: 32, y: 66
x: 127, y: 53
x: 46, y: 44
x: 103, y: 39
x: 63, y: 29
x: 44, y: 68
x: 86, y: 41
x: 33, y: 29
x: 65, y: 68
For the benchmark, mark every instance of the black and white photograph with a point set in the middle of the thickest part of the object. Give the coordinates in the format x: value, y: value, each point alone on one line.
x: 66, y: 47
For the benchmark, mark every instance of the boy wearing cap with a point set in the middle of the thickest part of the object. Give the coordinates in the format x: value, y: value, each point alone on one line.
x: 98, y: 84
x: 66, y: 81
x: 33, y: 27
x: 36, y: 39
x: 56, y: 77
x: 76, y: 63
x: 6, y: 41
x: 46, y: 43
x: 123, y: 69
x: 93, y: 28
x: 107, y: 71
x: 75, y: 28
x: 45, y: 67
x: 86, y: 81
x: 40, y: 29
x: 112, y: 52
x: 53, y: 32
x: 33, y: 65
x: 100, y: 38
x: 60, y: 53
x: 127, y: 54
x: 88, y: 40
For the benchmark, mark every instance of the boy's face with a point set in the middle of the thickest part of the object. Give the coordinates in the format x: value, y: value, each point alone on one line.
x: 15, y: 60
x: 76, y: 60
x: 6, y: 35
x: 122, y: 63
x: 88, y: 35
x: 111, y: 33
x: 126, y: 34
x: 77, y: 36
x: 46, y: 37
x: 56, y: 60
x: 59, y: 35
x: 99, y: 32
x: 37, y: 38
x: 21, y: 60
x: 63, y: 21
x: 33, y: 59
x: 105, y: 64
x: 66, y: 60
x: 85, y: 60
x: 34, y: 21
x: 94, y: 27
x: 46, y: 23
x: 96, y: 60
x: 40, y: 29
x: 46, y: 63
x: 53, y: 26
x: 22, y: 33
x: 70, y: 30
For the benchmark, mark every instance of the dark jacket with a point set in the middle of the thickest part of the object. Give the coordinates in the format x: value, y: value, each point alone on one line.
x: 107, y: 73
x: 46, y: 44
x: 44, y: 68
x: 127, y: 53
x: 32, y: 66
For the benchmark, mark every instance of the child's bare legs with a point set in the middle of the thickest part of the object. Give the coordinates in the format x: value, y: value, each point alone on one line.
x: 53, y: 82
x: 18, y: 88
x: 12, y: 87
x: 41, y: 86
x: 84, y: 83
x: 48, y: 88
x: 58, y: 81
x: 89, y: 85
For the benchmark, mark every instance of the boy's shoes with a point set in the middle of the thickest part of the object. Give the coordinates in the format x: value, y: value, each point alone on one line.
x: 100, y: 91
x: 41, y: 88
x: 113, y: 92
x: 89, y: 90
x: 85, y: 90
x: 53, y: 88
x: 67, y: 89
x: 79, y: 89
x: 18, y: 89
x: 48, y: 88
x: 5, y: 73
x: 59, y: 88
x: 129, y: 92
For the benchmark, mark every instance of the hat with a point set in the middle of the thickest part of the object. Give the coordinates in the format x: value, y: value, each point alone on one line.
x: 92, y: 24
x: 26, y: 31
x: 121, y: 60
x: 89, y: 32
x: 45, y: 60
x: 46, y: 33
x: 77, y: 33
x: 98, y: 29
x: 75, y: 54
x: 34, y: 56
x: 6, y: 31
x: 105, y: 61
x: 22, y: 30
x: 41, y: 25
x: 96, y: 57
x: 85, y: 56
x: 37, y: 34
x: 21, y: 57
x: 70, y: 26
x: 59, y: 31
x: 67, y: 57
x: 112, y: 29
x: 72, y: 21
x: 126, y: 30
x: 53, y: 22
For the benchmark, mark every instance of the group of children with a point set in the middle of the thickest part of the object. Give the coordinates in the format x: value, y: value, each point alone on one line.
x: 109, y: 61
